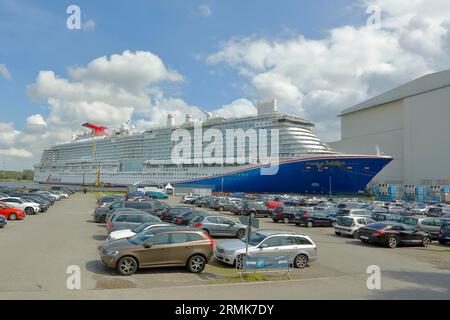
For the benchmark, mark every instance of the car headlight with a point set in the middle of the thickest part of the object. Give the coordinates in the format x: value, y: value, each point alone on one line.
x: 112, y: 253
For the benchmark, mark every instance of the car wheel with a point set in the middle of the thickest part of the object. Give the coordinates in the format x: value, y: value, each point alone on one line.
x: 297, y: 224
x: 240, y: 261
x: 333, y: 224
x: 12, y: 216
x: 337, y: 233
x: 442, y: 242
x: 309, y: 224
x: 252, y: 214
x: 392, y: 242
x: 206, y: 231
x: 196, y: 264
x: 241, y: 233
x: 274, y: 220
x: 103, y: 219
x: 29, y: 211
x: 364, y: 241
x: 127, y: 266
x: 426, y: 241
x: 220, y: 208
x: 301, y: 261
x: 286, y: 220
x: 356, y: 235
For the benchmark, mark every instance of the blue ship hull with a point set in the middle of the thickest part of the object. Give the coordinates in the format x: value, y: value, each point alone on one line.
x: 320, y: 175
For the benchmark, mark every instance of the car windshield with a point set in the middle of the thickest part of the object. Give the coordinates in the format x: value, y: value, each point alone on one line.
x: 255, y: 238
x: 141, y: 228
x: 343, y: 212
x: 377, y: 226
x: 141, y: 237
x: 408, y: 220
x: 345, y: 221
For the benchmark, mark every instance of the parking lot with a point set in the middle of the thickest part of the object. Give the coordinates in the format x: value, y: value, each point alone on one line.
x: 36, y: 253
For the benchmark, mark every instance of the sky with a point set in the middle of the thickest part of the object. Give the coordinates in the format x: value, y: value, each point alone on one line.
x: 142, y: 59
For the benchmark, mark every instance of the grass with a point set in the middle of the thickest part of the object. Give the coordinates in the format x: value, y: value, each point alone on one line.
x: 99, y: 194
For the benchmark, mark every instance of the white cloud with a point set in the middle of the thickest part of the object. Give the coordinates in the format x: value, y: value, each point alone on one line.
x: 36, y: 120
x: 89, y: 25
x: 236, y: 109
x: 15, y: 153
x: 205, y: 10
x: 317, y: 78
x: 4, y: 72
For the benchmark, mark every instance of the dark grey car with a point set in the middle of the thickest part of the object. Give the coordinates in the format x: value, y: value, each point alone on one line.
x: 129, y: 220
x: 218, y: 226
x: 100, y: 214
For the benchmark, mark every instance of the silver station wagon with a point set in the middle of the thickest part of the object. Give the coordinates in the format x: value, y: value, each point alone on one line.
x: 299, y: 249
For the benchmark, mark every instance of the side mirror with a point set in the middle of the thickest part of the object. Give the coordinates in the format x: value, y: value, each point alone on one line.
x: 148, y: 245
x: 263, y: 246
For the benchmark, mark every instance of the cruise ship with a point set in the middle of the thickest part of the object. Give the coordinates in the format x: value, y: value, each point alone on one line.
x: 297, y: 162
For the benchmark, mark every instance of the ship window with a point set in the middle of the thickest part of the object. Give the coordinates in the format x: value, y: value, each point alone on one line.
x: 308, y: 168
x: 366, y: 168
x: 325, y: 168
x: 349, y: 167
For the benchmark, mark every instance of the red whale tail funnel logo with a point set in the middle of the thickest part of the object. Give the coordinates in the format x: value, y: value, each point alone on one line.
x: 96, y: 130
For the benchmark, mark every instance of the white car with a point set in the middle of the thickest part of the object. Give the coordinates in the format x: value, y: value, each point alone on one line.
x: 126, y: 233
x: 349, y: 225
x: 60, y: 193
x: 48, y: 194
x: 24, y: 205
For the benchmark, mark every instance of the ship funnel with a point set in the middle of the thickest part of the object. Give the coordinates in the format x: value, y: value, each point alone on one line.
x: 188, y: 118
x: 267, y: 107
x: 170, y: 120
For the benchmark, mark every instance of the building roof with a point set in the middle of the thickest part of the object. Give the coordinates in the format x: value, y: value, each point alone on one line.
x: 421, y: 85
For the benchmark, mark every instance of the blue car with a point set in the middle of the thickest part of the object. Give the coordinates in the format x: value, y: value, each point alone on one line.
x: 444, y: 233
x: 156, y: 195
x: 3, y: 222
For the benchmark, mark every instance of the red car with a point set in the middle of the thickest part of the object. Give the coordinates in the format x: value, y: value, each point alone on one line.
x: 11, y: 213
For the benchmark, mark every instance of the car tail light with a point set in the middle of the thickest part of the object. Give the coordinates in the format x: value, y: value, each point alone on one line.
x: 378, y: 233
x: 178, y: 220
x: 110, y: 225
x: 418, y: 229
x: 305, y: 214
x: 198, y: 225
x: 211, y: 241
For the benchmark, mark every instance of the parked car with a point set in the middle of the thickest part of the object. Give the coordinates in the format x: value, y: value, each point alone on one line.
x: 169, y: 214
x: 314, y: 219
x: 204, y: 201
x: 129, y: 220
x: 299, y: 249
x: 221, y: 204
x: 11, y: 213
x: 159, y: 247
x: 43, y: 204
x: 152, y: 207
x: 189, y: 199
x: 393, y: 234
x: 353, y: 212
x: 218, y: 226
x: 26, y: 206
x: 349, y: 225
x: 126, y: 233
x: 444, y: 233
x: 446, y: 217
x: 284, y: 214
x: 385, y: 217
x: 3, y: 221
x: 156, y: 195
x: 254, y: 209
x: 430, y: 225
x: 54, y: 197
x: 109, y: 199
x: 186, y: 217
x: 434, y: 211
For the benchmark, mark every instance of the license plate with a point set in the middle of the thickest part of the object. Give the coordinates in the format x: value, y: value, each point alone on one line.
x: 364, y: 237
